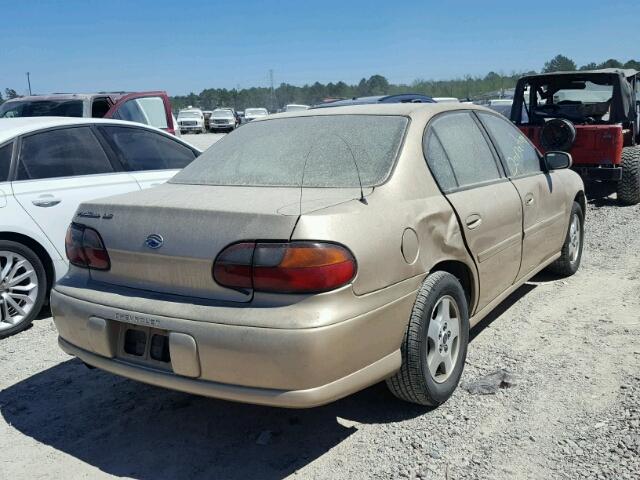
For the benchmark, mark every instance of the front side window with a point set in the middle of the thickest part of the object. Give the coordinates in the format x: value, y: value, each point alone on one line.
x: 62, y: 153
x: 5, y: 161
x: 516, y: 150
x: 313, y: 151
x: 462, y: 142
x: 144, y: 150
x: 147, y: 110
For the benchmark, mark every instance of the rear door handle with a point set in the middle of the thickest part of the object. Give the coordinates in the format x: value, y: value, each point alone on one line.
x: 46, y: 201
x: 529, y: 199
x: 473, y: 221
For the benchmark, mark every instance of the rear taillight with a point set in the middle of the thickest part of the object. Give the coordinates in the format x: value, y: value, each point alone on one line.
x: 85, y: 248
x: 287, y: 267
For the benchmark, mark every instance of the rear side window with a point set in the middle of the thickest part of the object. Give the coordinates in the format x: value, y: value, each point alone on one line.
x: 62, y: 153
x: 520, y: 156
x: 462, y: 142
x: 147, y: 110
x: 42, y: 108
x: 439, y: 163
x: 5, y: 161
x: 144, y: 150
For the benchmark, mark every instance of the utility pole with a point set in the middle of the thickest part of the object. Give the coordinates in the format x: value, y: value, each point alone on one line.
x: 273, y: 92
x: 29, y: 82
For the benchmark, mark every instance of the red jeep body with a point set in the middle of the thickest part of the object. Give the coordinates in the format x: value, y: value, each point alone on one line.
x: 600, y: 105
x: 597, y: 147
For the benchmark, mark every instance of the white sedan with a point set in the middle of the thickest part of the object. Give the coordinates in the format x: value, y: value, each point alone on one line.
x: 48, y: 166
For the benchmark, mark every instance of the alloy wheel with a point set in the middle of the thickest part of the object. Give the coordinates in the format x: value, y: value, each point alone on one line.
x: 574, y: 238
x: 18, y: 289
x: 443, y: 339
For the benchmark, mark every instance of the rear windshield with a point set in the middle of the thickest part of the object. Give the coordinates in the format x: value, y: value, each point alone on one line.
x: 319, y: 151
x: 42, y: 108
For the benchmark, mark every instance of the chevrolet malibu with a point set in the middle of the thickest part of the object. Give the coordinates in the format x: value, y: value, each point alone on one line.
x: 311, y: 254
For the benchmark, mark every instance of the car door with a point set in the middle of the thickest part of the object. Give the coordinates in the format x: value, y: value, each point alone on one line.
x: 6, y: 152
x: 487, y: 204
x: 149, y: 108
x: 151, y: 157
x: 541, y: 193
x: 57, y: 170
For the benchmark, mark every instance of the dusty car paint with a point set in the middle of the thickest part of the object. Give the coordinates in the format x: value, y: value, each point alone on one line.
x: 296, y: 350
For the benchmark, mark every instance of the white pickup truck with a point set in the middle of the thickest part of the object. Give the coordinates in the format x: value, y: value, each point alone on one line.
x: 191, y: 120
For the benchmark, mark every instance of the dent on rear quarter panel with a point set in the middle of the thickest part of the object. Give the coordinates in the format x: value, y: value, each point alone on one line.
x: 374, y: 233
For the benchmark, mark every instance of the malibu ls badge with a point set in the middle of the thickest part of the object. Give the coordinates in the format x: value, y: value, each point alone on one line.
x: 154, y: 241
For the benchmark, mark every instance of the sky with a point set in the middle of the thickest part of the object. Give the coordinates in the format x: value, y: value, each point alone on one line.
x: 186, y: 46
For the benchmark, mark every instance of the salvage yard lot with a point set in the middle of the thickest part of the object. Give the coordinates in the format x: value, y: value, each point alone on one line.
x: 571, y: 345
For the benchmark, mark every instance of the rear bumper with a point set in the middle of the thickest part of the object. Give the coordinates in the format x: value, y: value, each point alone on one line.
x: 611, y: 173
x: 294, y: 368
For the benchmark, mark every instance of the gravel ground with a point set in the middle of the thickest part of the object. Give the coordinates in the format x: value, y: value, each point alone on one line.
x: 202, y: 140
x: 573, y: 410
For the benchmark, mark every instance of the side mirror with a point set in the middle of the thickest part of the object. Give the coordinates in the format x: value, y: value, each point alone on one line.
x: 557, y: 160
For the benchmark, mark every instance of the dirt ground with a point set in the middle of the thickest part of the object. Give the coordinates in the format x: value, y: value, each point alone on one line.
x: 574, y: 411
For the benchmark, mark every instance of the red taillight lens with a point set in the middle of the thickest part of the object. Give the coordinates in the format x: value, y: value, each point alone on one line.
x: 73, y: 245
x: 288, y: 267
x: 85, y: 248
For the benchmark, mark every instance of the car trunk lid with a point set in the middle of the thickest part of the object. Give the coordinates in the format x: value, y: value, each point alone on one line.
x: 165, y: 239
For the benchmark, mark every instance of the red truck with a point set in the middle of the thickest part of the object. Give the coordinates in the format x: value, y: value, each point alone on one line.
x: 150, y: 108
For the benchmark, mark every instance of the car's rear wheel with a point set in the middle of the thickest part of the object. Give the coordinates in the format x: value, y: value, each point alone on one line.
x: 23, y: 287
x: 629, y: 184
x: 571, y: 253
x: 434, y: 348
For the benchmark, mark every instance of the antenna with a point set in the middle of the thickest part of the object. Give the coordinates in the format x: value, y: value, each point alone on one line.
x: 353, y: 157
x: 29, y: 82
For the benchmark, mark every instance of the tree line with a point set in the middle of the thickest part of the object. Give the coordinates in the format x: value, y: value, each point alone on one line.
x: 470, y: 87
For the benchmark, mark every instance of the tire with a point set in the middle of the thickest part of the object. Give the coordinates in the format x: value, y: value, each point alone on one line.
x: 22, y: 261
x: 415, y: 382
x: 629, y: 184
x: 571, y: 253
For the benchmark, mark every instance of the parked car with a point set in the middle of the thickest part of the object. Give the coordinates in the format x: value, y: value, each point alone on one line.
x: 594, y: 115
x: 501, y: 105
x: 255, y: 113
x: 48, y: 166
x: 446, y: 100
x: 149, y: 108
x: 292, y: 107
x: 309, y: 255
x: 191, y: 120
x: 398, y: 98
x: 223, y: 119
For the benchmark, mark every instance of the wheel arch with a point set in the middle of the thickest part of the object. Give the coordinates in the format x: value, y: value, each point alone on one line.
x: 465, y: 276
x: 38, y: 249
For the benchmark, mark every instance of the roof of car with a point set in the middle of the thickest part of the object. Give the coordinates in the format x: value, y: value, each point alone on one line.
x: 401, y: 97
x: 115, y: 96
x: 13, y: 127
x: 406, y: 109
x: 627, y: 72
